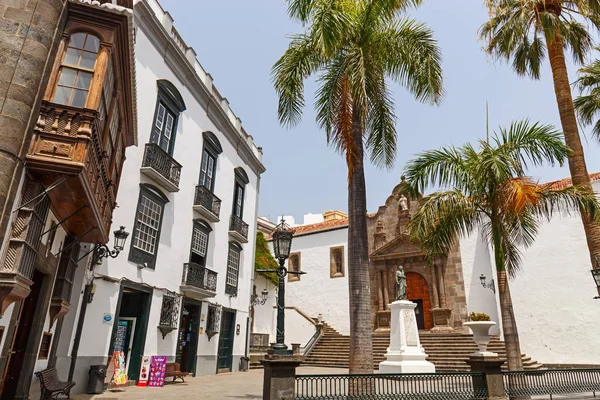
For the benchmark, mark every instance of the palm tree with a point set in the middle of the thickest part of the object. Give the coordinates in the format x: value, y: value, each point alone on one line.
x: 522, y: 31
x: 588, y: 104
x: 486, y: 191
x: 356, y: 47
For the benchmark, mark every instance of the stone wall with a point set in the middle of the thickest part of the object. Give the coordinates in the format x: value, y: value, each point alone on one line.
x: 29, y: 34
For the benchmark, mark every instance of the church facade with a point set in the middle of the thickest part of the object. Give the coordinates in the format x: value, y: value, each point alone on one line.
x: 552, y: 316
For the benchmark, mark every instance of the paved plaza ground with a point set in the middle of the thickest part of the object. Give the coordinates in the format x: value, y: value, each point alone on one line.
x: 232, y: 386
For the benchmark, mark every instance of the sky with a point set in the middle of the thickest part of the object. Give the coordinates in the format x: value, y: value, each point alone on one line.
x: 238, y: 41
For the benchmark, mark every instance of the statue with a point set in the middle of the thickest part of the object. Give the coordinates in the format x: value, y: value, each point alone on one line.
x: 403, y: 203
x: 400, y: 284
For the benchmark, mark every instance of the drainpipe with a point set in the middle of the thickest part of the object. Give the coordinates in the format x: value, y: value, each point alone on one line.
x: 84, y: 302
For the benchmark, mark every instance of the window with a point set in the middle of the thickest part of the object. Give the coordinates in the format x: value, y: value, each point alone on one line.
x: 233, y: 269
x: 207, y: 170
x: 51, y: 237
x: 199, y: 243
x: 294, y: 265
x: 147, y: 224
x: 77, y: 70
x: 169, y: 105
x: 241, y: 180
x: 336, y: 262
x: 208, y: 166
x: 66, y: 270
x: 45, y: 346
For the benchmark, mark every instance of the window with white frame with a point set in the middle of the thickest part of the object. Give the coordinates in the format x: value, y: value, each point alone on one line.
x: 233, y: 269
x: 199, y: 246
x: 147, y: 225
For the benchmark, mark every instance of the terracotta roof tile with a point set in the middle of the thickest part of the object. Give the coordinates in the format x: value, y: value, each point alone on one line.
x: 565, y: 183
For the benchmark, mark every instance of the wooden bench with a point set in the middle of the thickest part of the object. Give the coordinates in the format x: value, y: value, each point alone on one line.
x: 174, y: 370
x: 51, y: 385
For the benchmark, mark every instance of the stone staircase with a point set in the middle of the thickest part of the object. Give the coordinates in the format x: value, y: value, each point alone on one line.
x: 449, y: 352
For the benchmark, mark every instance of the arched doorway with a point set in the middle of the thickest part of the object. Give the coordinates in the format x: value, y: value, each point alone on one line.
x: 418, y: 292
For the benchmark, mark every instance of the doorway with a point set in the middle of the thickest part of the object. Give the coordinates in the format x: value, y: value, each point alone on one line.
x: 419, y: 314
x: 129, y: 333
x: 418, y: 292
x: 225, y: 354
x: 16, y: 356
x: 187, y: 341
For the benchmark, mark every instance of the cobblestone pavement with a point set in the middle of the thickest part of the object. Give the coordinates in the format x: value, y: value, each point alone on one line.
x: 232, y: 386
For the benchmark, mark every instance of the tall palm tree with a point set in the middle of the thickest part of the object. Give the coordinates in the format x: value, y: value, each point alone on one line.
x: 486, y: 191
x: 523, y: 31
x: 356, y: 47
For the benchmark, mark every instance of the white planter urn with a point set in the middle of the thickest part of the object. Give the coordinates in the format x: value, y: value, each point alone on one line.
x: 481, y: 334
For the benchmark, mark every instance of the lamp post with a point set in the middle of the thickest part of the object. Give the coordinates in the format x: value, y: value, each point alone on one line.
x: 282, y: 244
x: 264, y: 296
x: 490, y: 285
x: 596, y: 276
x: 99, y: 251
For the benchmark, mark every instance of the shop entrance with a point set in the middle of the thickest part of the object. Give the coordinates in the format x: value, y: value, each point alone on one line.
x: 129, y: 331
x: 187, y: 341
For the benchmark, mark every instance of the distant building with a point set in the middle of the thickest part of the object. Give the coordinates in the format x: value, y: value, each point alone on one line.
x: 552, y: 295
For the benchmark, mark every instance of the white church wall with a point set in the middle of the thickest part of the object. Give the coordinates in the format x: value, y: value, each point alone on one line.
x: 263, y: 321
x: 553, y: 296
x: 298, y: 329
x: 476, y: 259
x: 316, y: 292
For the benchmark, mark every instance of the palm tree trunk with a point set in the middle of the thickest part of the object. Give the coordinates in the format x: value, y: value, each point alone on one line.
x: 577, y: 165
x: 361, y: 350
x: 509, y: 325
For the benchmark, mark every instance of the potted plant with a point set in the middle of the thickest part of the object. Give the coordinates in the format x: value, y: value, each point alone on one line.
x: 480, y: 324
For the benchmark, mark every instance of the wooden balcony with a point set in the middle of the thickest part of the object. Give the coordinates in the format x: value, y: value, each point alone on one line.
x: 65, y: 154
x: 198, y: 282
x: 238, y: 229
x: 159, y: 166
x: 207, y: 204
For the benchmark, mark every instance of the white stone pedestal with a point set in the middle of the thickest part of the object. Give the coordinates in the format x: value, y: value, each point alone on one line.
x: 405, y: 354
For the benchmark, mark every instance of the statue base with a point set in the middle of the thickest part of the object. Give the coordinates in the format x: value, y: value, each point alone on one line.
x: 405, y: 354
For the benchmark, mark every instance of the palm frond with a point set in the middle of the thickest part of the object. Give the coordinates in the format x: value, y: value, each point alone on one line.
x: 381, y: 123
x: 441, y: 218
x: 570, y: 200
x: 301, y: 60
x: 445, y: 167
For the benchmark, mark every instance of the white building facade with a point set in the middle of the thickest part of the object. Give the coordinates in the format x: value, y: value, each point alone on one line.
x: 188, y: 196
x: 552, y: 295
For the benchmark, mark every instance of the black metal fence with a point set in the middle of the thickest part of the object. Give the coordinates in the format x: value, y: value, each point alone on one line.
x: 551, y: 382
x: 442, y: 386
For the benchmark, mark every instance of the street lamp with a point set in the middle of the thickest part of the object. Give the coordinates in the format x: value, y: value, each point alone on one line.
x: 264, y: 296
x: 102, y: 251
x: 490, y: 285
x: 282, y: 244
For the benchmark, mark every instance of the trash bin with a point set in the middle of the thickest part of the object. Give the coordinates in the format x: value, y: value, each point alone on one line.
x: 96, y: 377
x: 244, y: 362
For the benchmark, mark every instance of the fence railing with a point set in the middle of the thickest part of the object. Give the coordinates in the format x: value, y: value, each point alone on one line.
x: 551, y: 382
x: 159, y: 160
x: 236, y: 224
x: 207, y: 199
x: 199, y: 276
x: 440, y: 386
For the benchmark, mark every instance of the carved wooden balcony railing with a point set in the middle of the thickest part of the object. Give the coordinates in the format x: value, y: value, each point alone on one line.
x: 238, y: 229
x: 159, y: 166
x: 67, y: 156
x: 198, y: 282
x: 207, y: 204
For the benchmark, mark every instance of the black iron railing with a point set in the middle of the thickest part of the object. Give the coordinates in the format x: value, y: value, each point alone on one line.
x: 442, y: 386
x: 550, y: 382
x: 205, y: 198
x: 236, y: 224
x: 199, y: 276
x: 159, y: 160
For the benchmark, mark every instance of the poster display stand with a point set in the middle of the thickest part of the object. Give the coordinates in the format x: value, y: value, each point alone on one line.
x: 144, y: 371
x: 158, y: 366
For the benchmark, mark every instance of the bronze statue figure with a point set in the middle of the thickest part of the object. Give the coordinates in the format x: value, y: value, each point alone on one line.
x: 400, y: 284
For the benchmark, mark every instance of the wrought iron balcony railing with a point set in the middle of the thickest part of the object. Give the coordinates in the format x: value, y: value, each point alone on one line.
x: 236, y: 224
x: 160, y: 161
x: 200, y: 277
x: 206, y: 199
